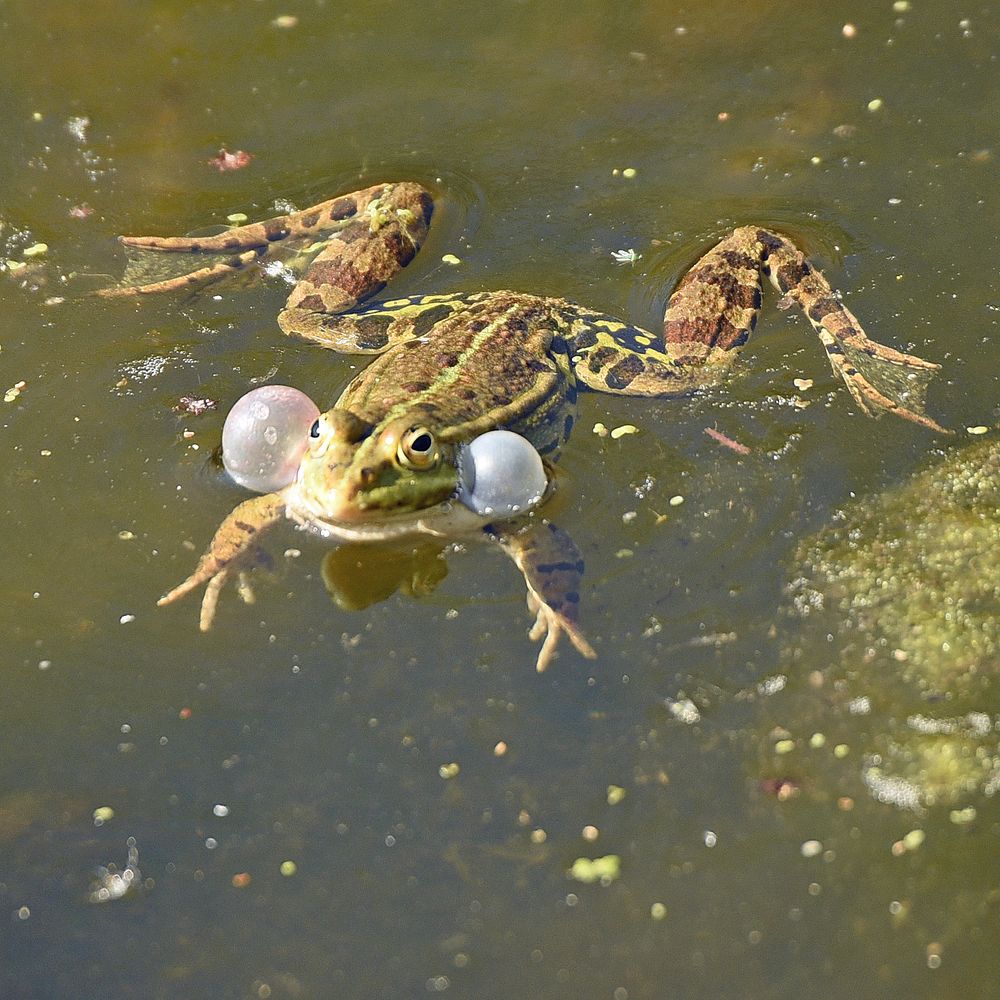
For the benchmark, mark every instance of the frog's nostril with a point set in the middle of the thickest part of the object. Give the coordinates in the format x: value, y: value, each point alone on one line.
x: 367, y: 476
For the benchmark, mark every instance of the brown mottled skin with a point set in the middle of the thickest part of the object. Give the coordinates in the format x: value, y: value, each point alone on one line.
x: 382, y: 462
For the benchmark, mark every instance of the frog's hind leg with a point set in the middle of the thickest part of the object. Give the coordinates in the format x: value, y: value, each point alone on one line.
x: 375, y: 328
x: 357, y: 263
x: 351, y: 215
x: 881, y: 379
x: 711, y: 315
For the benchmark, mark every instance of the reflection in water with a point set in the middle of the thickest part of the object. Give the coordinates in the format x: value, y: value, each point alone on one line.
x: 358, y: 576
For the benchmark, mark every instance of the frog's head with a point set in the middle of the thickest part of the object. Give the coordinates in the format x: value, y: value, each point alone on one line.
x: 358, y: 478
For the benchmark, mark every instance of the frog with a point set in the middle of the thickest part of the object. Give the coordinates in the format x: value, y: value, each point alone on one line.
x: 383, y: 462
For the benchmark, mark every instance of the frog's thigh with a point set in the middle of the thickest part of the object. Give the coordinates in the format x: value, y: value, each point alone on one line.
x: 715, y: 307
x: 376, y: 328
x: 359, y: 260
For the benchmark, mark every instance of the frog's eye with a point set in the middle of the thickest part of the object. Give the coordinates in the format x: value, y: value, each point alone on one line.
x: 314, y: 430
x: 417, y: 449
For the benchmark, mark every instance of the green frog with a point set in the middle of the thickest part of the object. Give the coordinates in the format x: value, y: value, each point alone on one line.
x: 382, y: 463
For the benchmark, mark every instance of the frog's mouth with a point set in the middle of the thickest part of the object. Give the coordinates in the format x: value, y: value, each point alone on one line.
x: 449, y: 517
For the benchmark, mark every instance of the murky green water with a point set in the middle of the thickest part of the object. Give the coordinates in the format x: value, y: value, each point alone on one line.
x: 322, y: 732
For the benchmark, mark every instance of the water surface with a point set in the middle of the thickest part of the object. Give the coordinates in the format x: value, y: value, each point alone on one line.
x: 323, y: 732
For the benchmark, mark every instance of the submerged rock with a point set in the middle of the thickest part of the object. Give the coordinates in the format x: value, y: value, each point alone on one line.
x: 896, y: 616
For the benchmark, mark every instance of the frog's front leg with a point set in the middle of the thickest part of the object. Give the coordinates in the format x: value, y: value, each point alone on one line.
x: 232, y: 543
x: 399, y: 212
x: 553, y: 568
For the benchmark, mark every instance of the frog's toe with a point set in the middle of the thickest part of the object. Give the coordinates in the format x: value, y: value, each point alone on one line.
x: 210, y: 600
x: 549, y: 627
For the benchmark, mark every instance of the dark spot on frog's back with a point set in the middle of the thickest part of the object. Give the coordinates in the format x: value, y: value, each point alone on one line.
x: 310, y: 220
x: 371, y: 332
x: 425, y: 320
x: 597, y: 360
x: 416, y: 386
x: 623, y: 373
x: 275, y: 230
x: 446, y: 360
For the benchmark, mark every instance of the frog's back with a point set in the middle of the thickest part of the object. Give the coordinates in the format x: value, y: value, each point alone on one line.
x: 498, y: 363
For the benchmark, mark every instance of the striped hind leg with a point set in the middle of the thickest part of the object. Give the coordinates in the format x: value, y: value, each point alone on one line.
x: 716, y: 304
x: 393, y: 216
x: 880, y: 378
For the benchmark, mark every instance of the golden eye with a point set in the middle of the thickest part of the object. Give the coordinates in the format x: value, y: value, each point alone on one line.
x: 417, y: 449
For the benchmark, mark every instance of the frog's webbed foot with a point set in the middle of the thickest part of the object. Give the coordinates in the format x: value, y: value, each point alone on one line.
x: 712, y: 312
x: 234, y: 540
x: 881, y: 379
x: 553, y: 568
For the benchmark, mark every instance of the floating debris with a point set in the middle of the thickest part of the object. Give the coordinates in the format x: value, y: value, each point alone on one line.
x: 683, y: 710
x: 622, y: 430
x: 224, y: 160
x: 14, y: 391
x: 112, y: 884
x: 103, y: 814
x: 604, y: 870
x: 195, y: 405
x: 727, y: 441
x: 628, y: 256
x: 450, y: 258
